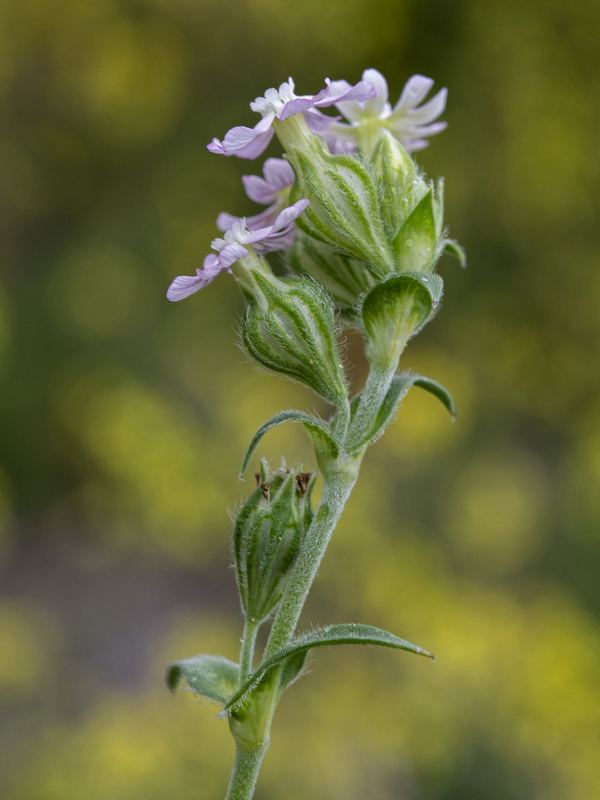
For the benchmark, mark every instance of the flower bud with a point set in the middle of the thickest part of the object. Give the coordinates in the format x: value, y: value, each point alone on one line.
x: 267, y: 535
x: 290, y: 329
x: 411, y: 210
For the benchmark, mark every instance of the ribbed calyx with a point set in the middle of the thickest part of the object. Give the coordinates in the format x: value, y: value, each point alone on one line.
x: 290, y: 328
x: 267, y: 535
x: 368, y: 219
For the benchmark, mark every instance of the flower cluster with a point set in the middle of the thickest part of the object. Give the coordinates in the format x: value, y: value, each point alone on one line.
x: 316, y: 144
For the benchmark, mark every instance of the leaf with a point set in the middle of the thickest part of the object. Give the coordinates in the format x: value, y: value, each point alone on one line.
x: 399, y: 388
x: 349, y: 633
x: 438, y: 390
x: 211, y: 676
x: 318, y: 431
x: 452, y: 248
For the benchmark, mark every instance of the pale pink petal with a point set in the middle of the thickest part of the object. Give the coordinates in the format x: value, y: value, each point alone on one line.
x: 336, y: 91
x: 317, y: 121
x: 278, y: 173
x: 288, y: 215
x: 430, y: 110
x: 379, y: 84
x: 230, y: 254
x: 245, y: 142
x: 415, y: 90
x: 185, y: 285
x: 225, y: 221
x: 258, y: 189
x: 296, y: 106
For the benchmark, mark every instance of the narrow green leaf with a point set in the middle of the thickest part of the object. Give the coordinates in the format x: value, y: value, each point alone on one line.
x: 399, y: 388
x: 349, y: 633
x: 211, y: 676
x: 438, y: 390
x: 318, y: 430
x: 452, y: 248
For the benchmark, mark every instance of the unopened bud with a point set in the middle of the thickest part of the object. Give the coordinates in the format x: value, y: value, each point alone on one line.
x: 267, y: 534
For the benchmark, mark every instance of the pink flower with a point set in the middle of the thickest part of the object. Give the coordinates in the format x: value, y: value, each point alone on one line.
x: 281, y: 104
x: 233, y: 246
x: 272, y: 190
x: 408, y: 122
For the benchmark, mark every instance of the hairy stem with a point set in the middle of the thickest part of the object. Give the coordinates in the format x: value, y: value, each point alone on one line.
x: 339, y: 482
x: 248, y: 759
x: 247, y: 652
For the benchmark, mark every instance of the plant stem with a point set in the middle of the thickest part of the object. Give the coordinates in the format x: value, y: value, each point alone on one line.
x: 339, y: 482
x: 248, y: 759
x: 371, y: 400
x: 247, y: 653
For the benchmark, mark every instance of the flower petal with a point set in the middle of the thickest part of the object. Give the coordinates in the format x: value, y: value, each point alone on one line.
x: 258, y: 189
x: 278, y: 173
x: 414, y: 91
x: 336, y: 91
x: 296, y: 106
x: 245, y: 142
x: 185, y: 285
x: 225, y: 221
x: 288, y: 215
x: 429, y: 111
x: 230, y: 254
x: 317, y: 121
x: 378, y: 82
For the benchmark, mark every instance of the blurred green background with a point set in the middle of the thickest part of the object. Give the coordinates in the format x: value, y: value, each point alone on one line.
x: 123, y: 417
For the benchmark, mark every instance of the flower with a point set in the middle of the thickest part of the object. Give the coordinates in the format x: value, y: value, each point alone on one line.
x: 233, y: 246
x: 408, y: 123
x: 272, y: 190
x: 280, y: 104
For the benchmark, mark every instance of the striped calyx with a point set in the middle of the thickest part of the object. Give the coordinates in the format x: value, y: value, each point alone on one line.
x: 267, y: 534
x: 290, y: 329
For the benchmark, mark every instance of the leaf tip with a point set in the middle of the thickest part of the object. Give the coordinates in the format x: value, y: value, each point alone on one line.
x: 173, y: 677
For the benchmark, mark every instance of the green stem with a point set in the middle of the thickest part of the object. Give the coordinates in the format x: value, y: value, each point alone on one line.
x: 371, y: 400
x: 248, y: 759
x: 339, y: 482
x: 247, y: 653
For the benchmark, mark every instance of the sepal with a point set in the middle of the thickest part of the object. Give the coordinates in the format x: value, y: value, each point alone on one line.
x: 418, y: 243
x: 290, y: 329
x: 214, y: 677
x: 399, y: 182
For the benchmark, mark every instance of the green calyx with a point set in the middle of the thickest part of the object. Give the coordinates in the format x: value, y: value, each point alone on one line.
x: 267, y: 534
x: 344, y: 209
x: 290, y: 328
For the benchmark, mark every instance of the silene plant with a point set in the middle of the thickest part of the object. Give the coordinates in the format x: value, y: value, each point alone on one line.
x: 359, y: 230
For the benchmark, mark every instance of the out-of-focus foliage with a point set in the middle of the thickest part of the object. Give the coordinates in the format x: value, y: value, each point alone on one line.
x: 123, y: 418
